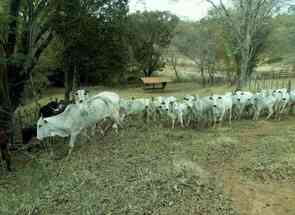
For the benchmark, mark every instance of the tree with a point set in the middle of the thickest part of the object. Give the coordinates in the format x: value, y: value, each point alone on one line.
x: 280, y: 44
x: 92, y: 34
x: 198, y: 42
x: 25, y: 36
x: 248, y: 24
x: 172, y: 58
x: 149, y: 34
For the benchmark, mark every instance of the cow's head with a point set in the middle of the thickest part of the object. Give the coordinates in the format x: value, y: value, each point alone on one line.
x: 43, y: 129
x: 80, y: 96
x: 47, y: 127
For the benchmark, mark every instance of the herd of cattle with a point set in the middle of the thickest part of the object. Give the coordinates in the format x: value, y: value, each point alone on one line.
x: 87, y: 111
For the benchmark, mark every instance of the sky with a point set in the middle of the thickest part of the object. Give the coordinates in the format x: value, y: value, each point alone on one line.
x: 185, y: 9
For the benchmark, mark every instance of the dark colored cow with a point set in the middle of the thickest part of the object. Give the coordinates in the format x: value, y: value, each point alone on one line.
x: 28, y: 133
x: 51, y: 109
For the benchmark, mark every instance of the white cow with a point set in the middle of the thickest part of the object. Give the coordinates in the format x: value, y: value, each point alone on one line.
x: 82, y: 98
x: 163, y: 105
x: 241, y: 99
x: 262, y: 102
x: 74, y: 119
x: 222, y: 104
x: 133, y: 106
x: 282, y: 101
x: 202, y: 109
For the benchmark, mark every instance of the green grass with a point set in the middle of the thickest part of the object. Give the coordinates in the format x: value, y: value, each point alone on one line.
x: 150, y: 169
x: 172, y: 89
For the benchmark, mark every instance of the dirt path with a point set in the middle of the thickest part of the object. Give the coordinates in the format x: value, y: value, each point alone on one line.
x: 260, y: 199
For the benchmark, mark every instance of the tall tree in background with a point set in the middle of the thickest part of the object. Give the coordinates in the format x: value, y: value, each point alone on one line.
x: 149, y: 34
x: 248, y: 24
x: 92, y: 36
x: 199, y: 43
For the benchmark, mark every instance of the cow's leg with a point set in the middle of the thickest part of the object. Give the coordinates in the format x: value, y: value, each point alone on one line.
x: 214, y: 121
x: 230, y: 115
x: 256, y: 114
x: 189, y: 120
x: 117, y: 120
x: 173, y: 123
x: 115, y: 127
x: 181, y: 120
x: 72, y: 142
x: 237, y: 112
x: 221, y: 118
x: 241, y: 112
x: 71, y: 146
x: 270, y: 113
x: 85, y: 133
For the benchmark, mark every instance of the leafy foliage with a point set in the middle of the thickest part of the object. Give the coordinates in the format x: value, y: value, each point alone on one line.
x: 149, y: 33
x: 92, y: 33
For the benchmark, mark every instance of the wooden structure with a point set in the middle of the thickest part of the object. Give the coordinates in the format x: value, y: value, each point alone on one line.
x: 154, y: 82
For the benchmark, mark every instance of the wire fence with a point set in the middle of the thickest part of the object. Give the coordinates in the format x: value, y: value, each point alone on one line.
x: 271, y: 80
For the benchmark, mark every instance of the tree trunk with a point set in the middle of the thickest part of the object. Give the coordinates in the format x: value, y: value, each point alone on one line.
x: 76, y: 79
x: 245, y: 59
x: 68, y: 84
x: 6, y: 113
x: 203, y: 75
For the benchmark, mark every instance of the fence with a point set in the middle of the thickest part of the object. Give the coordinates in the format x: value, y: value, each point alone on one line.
x: 271, y: 80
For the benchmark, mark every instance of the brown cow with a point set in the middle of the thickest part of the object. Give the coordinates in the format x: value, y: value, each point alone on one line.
x: 4, y: 148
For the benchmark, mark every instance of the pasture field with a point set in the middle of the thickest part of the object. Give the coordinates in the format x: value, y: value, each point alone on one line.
x: 246, y: 169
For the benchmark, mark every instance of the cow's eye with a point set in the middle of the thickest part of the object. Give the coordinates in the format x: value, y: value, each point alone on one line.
x: 76, y: 94
x: 219, y: 97
x: 210, y: 98
x: 45, y: 121
x: 40, y: 126
x: 242, y: 94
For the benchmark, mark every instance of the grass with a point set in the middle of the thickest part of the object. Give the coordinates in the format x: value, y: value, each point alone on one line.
x: 150, y: 169
x: 172, y: 89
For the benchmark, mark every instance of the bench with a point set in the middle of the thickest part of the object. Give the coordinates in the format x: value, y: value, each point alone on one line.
x: 154, y: 83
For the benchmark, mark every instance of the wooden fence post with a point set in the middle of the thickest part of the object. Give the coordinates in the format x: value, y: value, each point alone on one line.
x: 289, y: 85
x: 264, y: 84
